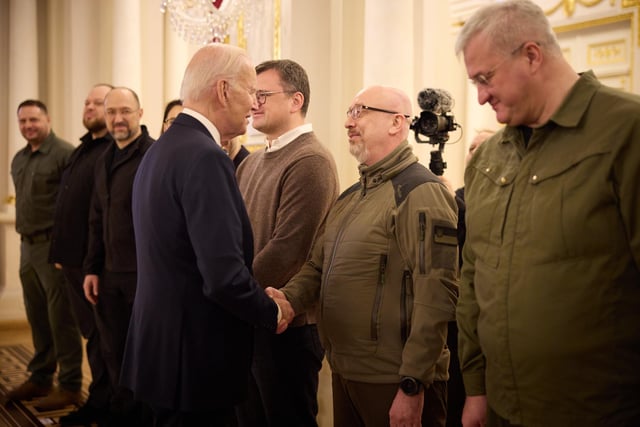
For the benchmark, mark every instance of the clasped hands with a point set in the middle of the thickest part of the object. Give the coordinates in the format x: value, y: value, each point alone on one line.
x: 285, y: 308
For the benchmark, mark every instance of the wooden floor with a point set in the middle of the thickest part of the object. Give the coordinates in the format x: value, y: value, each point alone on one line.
x: 15, y: 333
x: 12, y: 333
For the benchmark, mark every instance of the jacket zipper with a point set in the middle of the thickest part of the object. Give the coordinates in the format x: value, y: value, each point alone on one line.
x: 405, y: 321
x: 382, y: 269
x: 422, y: 219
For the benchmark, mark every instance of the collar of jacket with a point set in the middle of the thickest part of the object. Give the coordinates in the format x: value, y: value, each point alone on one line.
x: 44, y: 148
x: 570, y: 113
x: 394, y: 163
x: 144, y: 135
x: 87, y: 138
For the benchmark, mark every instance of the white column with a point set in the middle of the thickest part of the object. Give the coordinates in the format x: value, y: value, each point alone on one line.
x: 23, y: 68
x: 23, y: 84
x: 83, y: 68
x: 177, y: 55
x: 388, y: 43
x: 126, y: 50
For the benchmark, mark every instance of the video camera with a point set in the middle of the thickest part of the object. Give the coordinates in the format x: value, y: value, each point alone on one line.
x: 435, y: 122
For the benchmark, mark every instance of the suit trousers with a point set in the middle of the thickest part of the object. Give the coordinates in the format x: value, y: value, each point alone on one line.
x: 56, y: 339
x: 358, y: 404
x: 283, y: 383
x: 99, y: 389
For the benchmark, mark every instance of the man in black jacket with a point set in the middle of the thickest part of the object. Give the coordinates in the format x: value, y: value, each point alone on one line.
x: 110, y: 265
x: 69, y: 245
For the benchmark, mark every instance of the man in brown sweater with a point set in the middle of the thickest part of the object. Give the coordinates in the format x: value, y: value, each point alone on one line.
x: 288, y: 189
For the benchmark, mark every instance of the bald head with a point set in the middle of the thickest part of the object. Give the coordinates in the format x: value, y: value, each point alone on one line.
x: 378, y: 122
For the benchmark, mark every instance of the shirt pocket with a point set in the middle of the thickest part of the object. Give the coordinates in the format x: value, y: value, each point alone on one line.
x: 488, y: 199
x: 573, y: 207
x: 45, y: 181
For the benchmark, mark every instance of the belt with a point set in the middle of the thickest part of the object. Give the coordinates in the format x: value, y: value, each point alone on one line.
x: 37, y: 237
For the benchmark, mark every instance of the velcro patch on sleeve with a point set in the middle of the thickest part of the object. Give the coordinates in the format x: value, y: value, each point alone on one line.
x: 445, y: 235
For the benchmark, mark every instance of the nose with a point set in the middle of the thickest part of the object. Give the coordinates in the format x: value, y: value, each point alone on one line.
x: 349, y: 122
x: 483, y: 94
x: 254, y: 102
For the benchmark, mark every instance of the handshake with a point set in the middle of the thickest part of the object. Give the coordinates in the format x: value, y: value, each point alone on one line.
x: 287, y: 313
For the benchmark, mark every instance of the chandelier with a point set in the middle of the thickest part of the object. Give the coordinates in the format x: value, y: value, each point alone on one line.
x: 205, y: 21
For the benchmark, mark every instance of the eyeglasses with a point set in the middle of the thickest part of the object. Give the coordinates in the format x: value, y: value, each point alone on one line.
x: 356, y: 111
x: 169, y: 121
x: 484, y: 79
x: 262, y: 95
x: 125, y: 112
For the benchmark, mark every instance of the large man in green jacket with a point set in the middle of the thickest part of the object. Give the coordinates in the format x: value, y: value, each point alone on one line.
x: 550, y: 293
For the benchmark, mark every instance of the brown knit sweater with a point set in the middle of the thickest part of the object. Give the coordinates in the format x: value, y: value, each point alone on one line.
x: 288, y: 194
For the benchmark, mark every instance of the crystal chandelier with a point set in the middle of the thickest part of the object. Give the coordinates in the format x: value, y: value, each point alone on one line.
x: 204, y: 21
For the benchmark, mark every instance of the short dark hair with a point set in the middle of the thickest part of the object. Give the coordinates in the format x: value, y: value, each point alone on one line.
x: 293, y: 76
x: 169, y: 106
x: 33, y: 103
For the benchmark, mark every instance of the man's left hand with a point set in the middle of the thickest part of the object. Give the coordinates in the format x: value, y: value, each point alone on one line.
x: 406, y: 411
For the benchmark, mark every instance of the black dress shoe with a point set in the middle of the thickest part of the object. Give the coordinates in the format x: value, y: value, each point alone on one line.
x: 83, y: 416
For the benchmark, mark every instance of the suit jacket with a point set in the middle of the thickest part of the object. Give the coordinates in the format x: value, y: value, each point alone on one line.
x: 111, y: 242
x: 190, y: 334
x: 71, y: 222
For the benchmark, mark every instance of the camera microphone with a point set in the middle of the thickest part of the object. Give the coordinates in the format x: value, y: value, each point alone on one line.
x: 438, y: 101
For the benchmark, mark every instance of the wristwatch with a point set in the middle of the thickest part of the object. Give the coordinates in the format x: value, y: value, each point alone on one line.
x: 410, y: 386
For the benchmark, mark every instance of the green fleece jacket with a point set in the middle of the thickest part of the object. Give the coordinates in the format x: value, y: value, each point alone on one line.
x: 385, y: 273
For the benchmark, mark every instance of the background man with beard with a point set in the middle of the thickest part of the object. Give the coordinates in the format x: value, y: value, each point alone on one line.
x: 110, y: 264
x: 69, y: 245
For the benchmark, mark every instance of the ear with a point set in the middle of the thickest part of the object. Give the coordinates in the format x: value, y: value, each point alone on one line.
x: 533, y: 53
x: 298, y: 101
x: 397, y: 124
x: 222, y: 91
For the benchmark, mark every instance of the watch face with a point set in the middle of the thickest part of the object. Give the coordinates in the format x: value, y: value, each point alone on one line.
x: 409, y: 386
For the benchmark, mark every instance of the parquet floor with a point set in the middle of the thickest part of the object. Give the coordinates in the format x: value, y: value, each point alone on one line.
x: 19, y: 334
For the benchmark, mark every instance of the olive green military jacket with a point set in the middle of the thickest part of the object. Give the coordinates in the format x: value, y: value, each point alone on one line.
x: 385, y: 273
x: 549, y: 309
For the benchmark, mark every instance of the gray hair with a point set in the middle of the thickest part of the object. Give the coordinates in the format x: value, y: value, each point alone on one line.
x: 211, y: 63
x: 508, y: 23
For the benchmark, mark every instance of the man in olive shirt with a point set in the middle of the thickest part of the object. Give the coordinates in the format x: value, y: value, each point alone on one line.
x: 549, y: 302
x: 36, y: 172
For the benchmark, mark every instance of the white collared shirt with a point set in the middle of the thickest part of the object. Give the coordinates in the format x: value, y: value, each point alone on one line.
x: 206, y: 122
x: 287, y: 137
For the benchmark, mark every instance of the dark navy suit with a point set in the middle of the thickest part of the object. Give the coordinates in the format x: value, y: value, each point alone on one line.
x: 189, y: 342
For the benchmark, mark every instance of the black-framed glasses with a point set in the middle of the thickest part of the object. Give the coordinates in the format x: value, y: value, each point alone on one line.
x: 169, y: 121
x: 262, y: 95
x: 355, y: 111
x: 484, y: 79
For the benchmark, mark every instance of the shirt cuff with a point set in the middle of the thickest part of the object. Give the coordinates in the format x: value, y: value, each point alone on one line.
x: 279, y: 318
